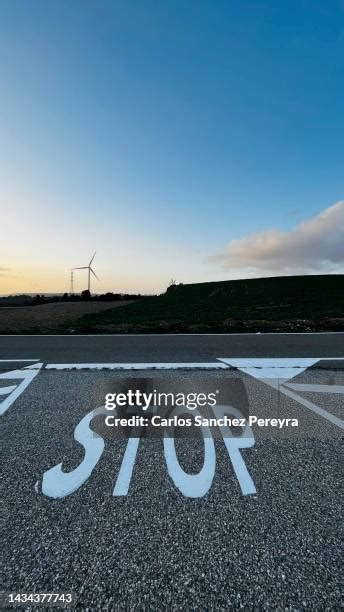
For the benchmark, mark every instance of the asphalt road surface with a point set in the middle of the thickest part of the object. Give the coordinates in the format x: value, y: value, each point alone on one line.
x: 248, y: 520
x: 170, y: 348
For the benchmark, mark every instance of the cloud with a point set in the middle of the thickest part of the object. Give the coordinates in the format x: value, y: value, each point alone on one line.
x: 313, y: 246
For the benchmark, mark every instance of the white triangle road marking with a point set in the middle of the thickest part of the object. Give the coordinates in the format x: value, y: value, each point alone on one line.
x: 26, y: 376
x: 262, y: 368
x: 277, y: 372
x: 306, y: 403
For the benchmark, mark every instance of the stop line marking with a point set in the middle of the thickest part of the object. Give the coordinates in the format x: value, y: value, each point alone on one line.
x: 137, y: 366
x: 259, y: 367
x: 275, y: 372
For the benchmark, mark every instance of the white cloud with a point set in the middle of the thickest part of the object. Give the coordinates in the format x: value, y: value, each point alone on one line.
x: 313, y: 246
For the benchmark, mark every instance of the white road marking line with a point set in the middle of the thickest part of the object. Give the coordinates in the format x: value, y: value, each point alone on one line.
x: 16, y: 360
x: 301, y: 400
x: 234, y: 444
x: 6, y: 390
x: 314, y: 388
x: 136, y: 366
x: 262, y: 368
x: 126, y: 470
x: 26, y: 376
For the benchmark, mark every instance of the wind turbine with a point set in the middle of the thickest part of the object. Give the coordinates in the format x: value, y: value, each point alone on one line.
x: 89, y: 268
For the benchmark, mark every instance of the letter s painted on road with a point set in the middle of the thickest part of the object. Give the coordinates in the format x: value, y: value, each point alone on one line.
x: 57, y: 483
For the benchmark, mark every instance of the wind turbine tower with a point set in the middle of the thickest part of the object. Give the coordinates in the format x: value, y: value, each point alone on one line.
x: 90, y: 271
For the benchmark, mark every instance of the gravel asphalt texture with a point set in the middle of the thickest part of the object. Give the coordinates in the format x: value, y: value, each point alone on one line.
x: 155, y: 549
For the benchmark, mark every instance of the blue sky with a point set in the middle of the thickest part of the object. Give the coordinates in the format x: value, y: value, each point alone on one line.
x: 160, y: 132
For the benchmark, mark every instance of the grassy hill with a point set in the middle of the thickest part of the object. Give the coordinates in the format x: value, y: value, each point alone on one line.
x: 277, y: 304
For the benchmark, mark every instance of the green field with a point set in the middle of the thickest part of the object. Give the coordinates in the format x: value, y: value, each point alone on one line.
x: 293, y: 302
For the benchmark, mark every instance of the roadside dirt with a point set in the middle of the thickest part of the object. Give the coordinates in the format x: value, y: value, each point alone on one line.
x: 48, y: 317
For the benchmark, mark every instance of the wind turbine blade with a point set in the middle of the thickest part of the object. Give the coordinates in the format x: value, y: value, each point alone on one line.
x: 92, y: 258
x: 94, y: 274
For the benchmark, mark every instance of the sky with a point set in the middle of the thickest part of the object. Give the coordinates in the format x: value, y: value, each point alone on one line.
x: 192, y: 140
